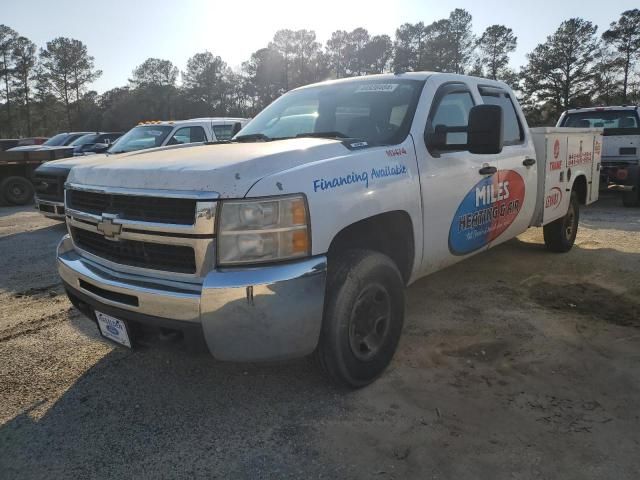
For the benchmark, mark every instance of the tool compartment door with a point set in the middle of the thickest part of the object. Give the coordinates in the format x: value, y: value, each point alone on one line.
x: 556, y: 198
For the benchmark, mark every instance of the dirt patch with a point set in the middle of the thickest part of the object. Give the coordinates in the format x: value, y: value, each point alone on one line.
x: 589, y: 300
x: 482, y: 352
x: 49, y: 290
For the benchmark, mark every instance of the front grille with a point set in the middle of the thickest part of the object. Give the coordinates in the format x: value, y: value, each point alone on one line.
x: 172, y: 258
x: 49, y: 187
x: 180, y: 211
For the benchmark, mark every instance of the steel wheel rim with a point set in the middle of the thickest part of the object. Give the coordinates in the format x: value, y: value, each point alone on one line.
x: 17, y: 190
x: 369, y: 322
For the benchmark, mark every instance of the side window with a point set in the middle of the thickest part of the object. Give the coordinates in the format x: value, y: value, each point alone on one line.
x: 223, y: 132
x: 187, y: 135
x: 513, y: 131
x: 448, y: 119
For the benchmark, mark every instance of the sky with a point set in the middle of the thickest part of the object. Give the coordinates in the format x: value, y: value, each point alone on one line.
x: 121, y: 34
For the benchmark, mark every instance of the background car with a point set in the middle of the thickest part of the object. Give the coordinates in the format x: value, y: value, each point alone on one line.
x: 59, y: 140
x: 94, y: 142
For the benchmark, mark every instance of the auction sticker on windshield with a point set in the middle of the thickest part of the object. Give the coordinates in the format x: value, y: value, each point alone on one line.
x: 113, y: 329
x: 377, y: 87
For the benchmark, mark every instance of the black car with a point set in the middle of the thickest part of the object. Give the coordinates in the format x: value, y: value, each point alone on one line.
x: 94, y: 142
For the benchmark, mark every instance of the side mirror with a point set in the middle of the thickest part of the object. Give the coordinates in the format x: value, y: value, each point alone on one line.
x: 485, y: 134
x: 100, y: 147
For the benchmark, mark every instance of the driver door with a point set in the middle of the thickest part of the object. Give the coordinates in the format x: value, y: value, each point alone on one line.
x: 454, y: 182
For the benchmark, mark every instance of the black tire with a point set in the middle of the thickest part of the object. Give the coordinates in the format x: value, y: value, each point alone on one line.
x: 631, y: 199
x: 16, y: 190
x: 560, y: 235
x: 363, y: 317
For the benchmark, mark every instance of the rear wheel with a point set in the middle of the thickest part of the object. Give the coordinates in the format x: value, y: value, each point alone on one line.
x: 364, y: 312
x: 16, y: 190
x: 560, y: 235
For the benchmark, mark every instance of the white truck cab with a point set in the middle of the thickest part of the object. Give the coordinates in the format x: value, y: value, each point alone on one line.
x: 301, y: 234
x: 49, y: 179
x: 620, y: 149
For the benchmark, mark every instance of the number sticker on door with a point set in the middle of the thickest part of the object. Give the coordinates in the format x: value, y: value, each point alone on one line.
x: 486, y: 211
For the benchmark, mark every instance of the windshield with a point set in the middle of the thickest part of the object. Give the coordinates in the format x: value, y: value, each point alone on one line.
x: 607, y: 119
x: 83, y: 140
x: 141, y: 137
x: 377, y: 111
x: 56, y: 140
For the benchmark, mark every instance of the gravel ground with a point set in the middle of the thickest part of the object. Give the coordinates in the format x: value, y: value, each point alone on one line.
x: 517, y: 364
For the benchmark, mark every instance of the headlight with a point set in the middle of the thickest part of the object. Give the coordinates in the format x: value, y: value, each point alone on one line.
x: 259, y: 231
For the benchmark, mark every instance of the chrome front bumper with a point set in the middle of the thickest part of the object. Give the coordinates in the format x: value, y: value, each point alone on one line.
x: 50, y: 209
x: 248, y: 314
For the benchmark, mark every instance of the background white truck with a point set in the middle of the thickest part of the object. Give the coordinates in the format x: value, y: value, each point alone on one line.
x: 620, y: 146
x: 49, y: 179
x: 300, y: 235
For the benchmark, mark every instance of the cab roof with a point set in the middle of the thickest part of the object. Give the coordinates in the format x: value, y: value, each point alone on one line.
x: 602, y: 109
x: 410, y: 76
x: 218, y: 120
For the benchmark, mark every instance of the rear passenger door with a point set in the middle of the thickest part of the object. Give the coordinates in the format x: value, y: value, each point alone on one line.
x: 515, y: 190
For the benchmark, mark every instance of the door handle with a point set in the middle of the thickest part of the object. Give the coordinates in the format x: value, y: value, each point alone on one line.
x: 487, y: 170
x: 528, y: 162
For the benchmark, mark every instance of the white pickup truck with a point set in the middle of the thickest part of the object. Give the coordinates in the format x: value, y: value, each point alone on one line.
x: 301, y: 234
x: 49, y: 178
x: 620, y: 146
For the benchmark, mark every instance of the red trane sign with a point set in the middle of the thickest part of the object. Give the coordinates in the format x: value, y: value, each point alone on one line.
x: 556, y: 149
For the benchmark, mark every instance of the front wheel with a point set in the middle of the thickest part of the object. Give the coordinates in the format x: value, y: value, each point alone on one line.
x: 560, y: 235
x: 363, y: 317
x: 16, y: 190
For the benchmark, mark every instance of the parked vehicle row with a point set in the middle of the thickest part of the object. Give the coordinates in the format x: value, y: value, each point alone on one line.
x: 8, y: 143
x: 59, y: 140
x: 299, y: 235
x: 19, y: 159
x: 49, y: 179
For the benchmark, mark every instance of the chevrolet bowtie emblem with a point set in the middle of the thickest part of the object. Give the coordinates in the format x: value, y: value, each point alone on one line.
x: 108, y: 228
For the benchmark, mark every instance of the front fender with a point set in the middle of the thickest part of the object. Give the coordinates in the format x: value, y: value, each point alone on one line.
x: 343, y: 190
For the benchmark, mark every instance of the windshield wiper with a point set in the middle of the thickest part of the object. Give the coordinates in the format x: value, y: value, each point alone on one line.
x: 323, y: 135
x: 252, y: 137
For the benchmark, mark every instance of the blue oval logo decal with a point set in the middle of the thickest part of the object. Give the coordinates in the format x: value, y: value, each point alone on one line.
x: 486, y: 212
x: 112, y: 330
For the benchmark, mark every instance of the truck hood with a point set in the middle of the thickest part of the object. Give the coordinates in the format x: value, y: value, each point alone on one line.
x: 69, y: 163
x: 227, y: 169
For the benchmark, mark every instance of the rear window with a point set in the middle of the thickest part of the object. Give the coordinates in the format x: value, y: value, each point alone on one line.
x: 223, y: 132
x: 56, y: 140
x: 83, y: 140
x: 607, y: 119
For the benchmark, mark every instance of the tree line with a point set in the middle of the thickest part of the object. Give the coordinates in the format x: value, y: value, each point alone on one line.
x: 48, y: 90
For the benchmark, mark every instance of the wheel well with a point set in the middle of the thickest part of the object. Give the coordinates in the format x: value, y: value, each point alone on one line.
x: 580, y: 187
x: 390, y: 233
x: 15, y: 171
